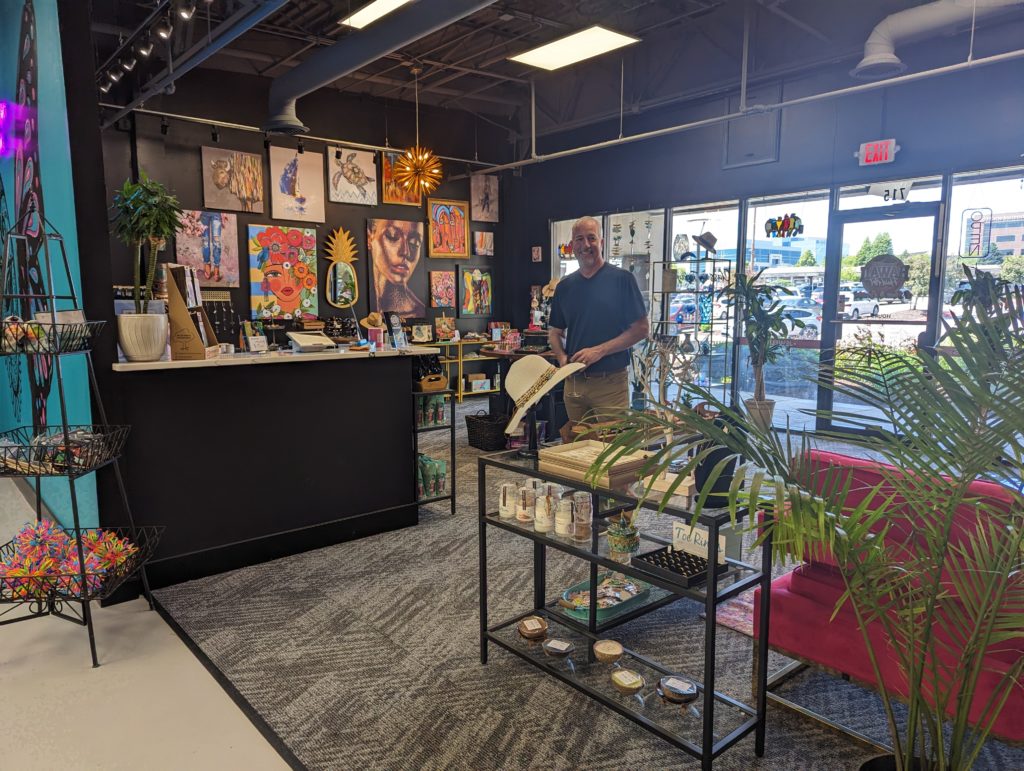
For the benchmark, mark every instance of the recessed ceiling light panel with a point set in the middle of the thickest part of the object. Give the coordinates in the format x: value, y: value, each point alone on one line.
x: 573, y: 48
x: 370, y: 13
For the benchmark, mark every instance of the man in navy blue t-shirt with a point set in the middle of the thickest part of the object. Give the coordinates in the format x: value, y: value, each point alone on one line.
x: 597, y: 315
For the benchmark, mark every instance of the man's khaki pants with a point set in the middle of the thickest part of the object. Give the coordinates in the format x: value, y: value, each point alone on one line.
x: 594, y: 394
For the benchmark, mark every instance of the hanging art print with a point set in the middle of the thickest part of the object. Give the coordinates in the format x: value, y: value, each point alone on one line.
x: 442, y: 289
x: 208, y: 241
x: 483, y: 244
x: 391, y: 191
x: 282, y: 272
x: 477, y: 293
x: 397, y: 282
x: 483, y: 192
x: 449, y: 228
x: 352, y: 175
x: 232, y: 180
x: 296, y: 185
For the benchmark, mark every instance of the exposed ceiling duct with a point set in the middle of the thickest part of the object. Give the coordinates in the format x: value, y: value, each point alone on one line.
x: 880, y: 59
x: 357, y: 50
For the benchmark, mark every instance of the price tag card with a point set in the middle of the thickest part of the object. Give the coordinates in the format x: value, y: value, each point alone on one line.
x: 531, y: 624
x: 557, y: 645
x: 257, y: 343
x: 694, y: 540
x: 675, y: 682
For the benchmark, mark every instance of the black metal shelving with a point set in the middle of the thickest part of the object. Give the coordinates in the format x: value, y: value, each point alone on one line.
x: 722, y: 720
x: 449, y: 426
x: 47, y: 449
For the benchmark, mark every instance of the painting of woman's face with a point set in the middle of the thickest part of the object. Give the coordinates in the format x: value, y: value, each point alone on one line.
x: 396, y: 247
x: 282, y: 272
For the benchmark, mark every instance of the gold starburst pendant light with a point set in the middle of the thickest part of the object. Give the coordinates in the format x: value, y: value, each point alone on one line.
x: 418, y: 168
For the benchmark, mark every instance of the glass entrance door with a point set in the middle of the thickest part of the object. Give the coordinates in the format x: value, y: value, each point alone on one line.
x: 880, y: 290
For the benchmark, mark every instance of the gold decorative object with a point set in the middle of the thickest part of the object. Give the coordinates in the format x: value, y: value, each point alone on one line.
x: 342, y: 286
x: 533, y: 628
x: 418, y: 168
x: 608, y: 651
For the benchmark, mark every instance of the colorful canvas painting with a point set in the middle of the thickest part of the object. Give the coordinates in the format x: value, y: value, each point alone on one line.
x: 476, y: 293
x: 483, y: 244
x: 208, y: 241
x: 483, y: 192
x: 353, y: 176
x: 449, y: 228
x: 282, y: 272
x: 397, y: 282
x: 232, y: 180
x: 296, y: 185
x: 391, y: 191
x: 444, y: 326
x: 442, y: 289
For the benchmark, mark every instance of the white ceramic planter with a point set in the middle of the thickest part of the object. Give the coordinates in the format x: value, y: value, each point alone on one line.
x: 143, y: 336
x: 761, y: 413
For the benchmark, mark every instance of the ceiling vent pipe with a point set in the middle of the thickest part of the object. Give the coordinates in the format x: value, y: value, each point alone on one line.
x: 880, y: 59
x: 356, y: 50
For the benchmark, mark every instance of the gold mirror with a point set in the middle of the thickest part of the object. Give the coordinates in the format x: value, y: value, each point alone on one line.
x: 342, y: 288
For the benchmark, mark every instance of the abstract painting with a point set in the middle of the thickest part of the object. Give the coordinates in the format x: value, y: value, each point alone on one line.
x: 296, y: 185
x: 444, y: 326
x: 476, y: 293
x: 442, y: 289
x: 449, y: 228
x: 391, y: 191
x: 208, y: 241
x: 353, y: 176
x: 483, y: 244
x: 397, y: 285
x: 232, y: 180
x: 282, y: 272
x: 483, y: 192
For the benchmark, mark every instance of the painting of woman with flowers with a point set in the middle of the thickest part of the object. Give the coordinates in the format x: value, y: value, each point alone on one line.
x: 282, y: 272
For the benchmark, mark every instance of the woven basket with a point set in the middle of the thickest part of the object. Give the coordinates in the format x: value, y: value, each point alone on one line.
x: 486, y: 432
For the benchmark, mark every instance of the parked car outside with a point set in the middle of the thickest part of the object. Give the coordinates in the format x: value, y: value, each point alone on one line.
x: 857, y: 303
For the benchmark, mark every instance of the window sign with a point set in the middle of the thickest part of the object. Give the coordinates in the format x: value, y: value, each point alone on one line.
x: 975, y: 229
x: 891, y: 191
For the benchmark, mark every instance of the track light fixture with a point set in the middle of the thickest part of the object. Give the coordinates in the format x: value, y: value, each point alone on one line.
x: 114, y: 75
x: 337, y: 154
x: 146, y: 47
x: 164, y: 126
x: 186, y: 9
x: 105, y: 87
x: 129, y: 64
x: 163, y: 29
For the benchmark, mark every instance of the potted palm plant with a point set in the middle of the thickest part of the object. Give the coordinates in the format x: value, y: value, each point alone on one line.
x: 145, y: 215
x: 764, y: 321
x: 951, y: 598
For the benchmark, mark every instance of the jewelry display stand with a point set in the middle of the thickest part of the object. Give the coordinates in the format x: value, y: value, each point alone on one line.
x: 44, y: 334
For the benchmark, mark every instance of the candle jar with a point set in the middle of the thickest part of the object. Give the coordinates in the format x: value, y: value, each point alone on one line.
x: 526, y: 507
x: 544, y: 514
x: 582, y: 516
x: 563, y: 518
x: 507, y: 499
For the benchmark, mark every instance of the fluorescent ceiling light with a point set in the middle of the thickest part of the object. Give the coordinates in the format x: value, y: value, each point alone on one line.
x: 575, y: 48
x: 372, y: 12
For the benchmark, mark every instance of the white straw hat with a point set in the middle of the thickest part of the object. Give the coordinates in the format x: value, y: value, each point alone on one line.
x: 529, y: 379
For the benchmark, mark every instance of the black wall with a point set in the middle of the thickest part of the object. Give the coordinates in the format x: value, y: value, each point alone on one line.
x: 965, y: 121
x: 175, y: 160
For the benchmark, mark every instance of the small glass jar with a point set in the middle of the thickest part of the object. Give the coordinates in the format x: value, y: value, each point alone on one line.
x: 544, y: 514
x: 563, y: 517
x: 507, y: 499
x: 525, y: 509
x: 582, y: 516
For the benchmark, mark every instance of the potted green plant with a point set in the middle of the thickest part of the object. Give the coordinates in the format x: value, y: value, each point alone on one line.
x: 765, y: 322
x: 945, y: 605
x: 145, y: 215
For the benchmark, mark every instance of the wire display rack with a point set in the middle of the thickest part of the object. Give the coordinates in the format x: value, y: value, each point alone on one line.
x: 37, y: 327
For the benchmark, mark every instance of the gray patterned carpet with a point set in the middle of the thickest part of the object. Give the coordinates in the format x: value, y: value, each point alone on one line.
x: 364, y: 656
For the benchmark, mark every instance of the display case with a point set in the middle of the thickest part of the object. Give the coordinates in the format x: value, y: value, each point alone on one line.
x: 434, y: 411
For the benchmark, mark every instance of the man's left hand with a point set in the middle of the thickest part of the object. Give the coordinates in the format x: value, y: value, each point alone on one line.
x: 588, y: 356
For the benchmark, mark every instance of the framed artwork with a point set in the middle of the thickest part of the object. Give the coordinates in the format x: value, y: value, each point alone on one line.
x: 449, y: 228
x: 397, y: 282
x: 483, y: 244
x: 282, y: 272
x: 442, y: 289
x: 232, y: 180
x: 391, y: 191
x: 352, y: 175
x: 208, y: 242
x: 483, y: 192
x: 296, y: 185
x: 476, y: 293
x: 444, y: 326
x: 422, y: 333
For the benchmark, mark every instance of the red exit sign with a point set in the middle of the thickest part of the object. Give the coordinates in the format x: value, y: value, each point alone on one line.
x: 877, y: 152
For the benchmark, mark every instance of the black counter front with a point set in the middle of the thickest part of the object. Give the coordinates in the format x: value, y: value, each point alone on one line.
x: 248, y: 463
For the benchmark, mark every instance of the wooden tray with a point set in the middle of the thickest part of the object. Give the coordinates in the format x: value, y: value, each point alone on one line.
x: 574, y: 461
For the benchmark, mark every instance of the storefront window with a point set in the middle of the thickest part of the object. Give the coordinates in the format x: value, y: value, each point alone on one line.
x: 986, y: 227
x: 562, y: 261
x: 786, y: 238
